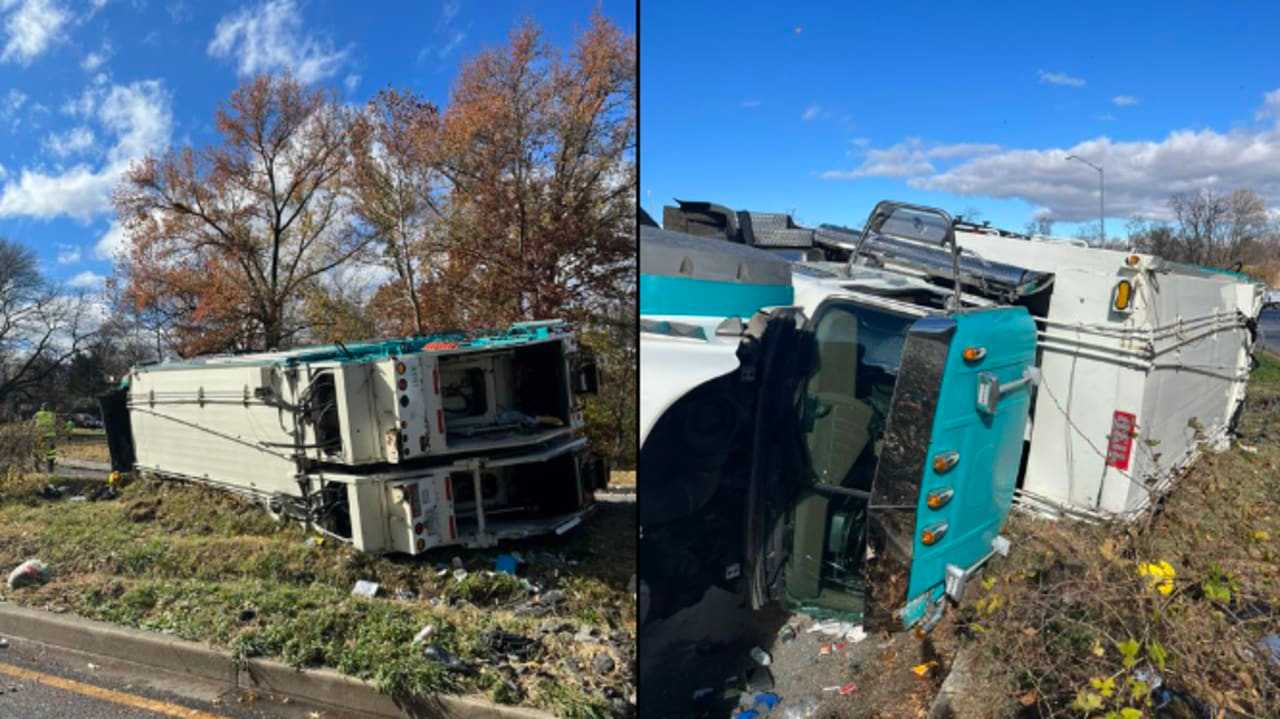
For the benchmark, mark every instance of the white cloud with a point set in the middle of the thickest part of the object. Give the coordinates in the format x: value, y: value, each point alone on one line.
x: 112, y: 243
x: 137, y: 115
x: 751, y: 104
x: 97, y: 58
x: 811, y: 112
x: 910, y: 158
x: 68, y: 254
x: 1139, y: 176
x: 1270, y: 106
x: 271, y: 37
x: 86, y: 280
x: 1125, y: 101
x: 351, y: 82
x: 77, y: 139
x: 10, y: 105
x: 30, y: 27
x: 1060, y: 78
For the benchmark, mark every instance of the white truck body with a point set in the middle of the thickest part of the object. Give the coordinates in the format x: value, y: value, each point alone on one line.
x: 1127, y: 398
x: 395, y: 446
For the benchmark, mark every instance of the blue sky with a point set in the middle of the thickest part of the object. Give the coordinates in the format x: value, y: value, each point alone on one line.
x: 825, y: 108
x: 86, y: 86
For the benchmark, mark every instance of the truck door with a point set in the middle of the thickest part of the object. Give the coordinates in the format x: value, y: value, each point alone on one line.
x: 952, y: 449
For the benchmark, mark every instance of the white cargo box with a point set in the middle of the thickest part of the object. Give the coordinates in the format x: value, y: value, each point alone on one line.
x: 1127, y: 397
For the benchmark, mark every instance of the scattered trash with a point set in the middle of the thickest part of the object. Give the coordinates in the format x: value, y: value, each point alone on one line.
x: 315, y: 541
x: 603, y: 663
x: 248, y: 615
x: 843, y: 630
x: 439, y: 654
x: 586, y: 634
x: 733, y: 571
x: 1247, y: 448
x: 51, y: 492
x: 703, y: 693
x: 844, y: 689
x: 760, y: 679
x: 767, y: 700
x: 555, y: 596
x: 30, y: 572
x: 441, y: 571
x: 1270, y: 645
x: 4, y: 643
x: 93, y: 667
x: 761, y: 657
x: 923, y: 669
x: 424, y: 634
x: 459, y: 574
x: 787, y: 633
x: 364, y: 588
x: 802, y: 709
x: 405, y: 594
x: 511, y: 645
x: 506, y: 563
x: 79, y: 498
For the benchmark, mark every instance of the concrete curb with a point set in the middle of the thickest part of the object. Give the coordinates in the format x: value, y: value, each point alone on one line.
x: 314, y: 686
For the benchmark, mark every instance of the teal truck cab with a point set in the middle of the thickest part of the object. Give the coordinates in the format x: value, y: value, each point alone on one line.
x: 781, y: 449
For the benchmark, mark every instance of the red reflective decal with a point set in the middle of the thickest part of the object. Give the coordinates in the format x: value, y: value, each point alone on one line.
x: 1120, y: 444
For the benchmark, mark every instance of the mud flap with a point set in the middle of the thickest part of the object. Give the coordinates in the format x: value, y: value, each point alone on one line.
x: 115, y: 419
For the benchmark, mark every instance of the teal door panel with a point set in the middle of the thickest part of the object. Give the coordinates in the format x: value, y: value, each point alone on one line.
x: 981, y: 481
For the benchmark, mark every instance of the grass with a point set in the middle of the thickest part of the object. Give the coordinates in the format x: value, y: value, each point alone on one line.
x: 620, y: 478
x: 204, y: 565
x: 1074, y: 624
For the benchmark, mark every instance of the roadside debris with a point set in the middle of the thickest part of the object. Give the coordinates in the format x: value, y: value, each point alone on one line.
x: 437, y: 653
x: 513, y: 646
x: 405, y: 594
x: 4, y: 643
x: 424, y: 634
x: 843, y: 630
x: 364, y: 588
x: 843, y: 689
x: 760, y: 679
x: 761, y: 657
x: 787, y: 633
x: 506, y: 563
x: 922, y: 670
x: 30, y: 572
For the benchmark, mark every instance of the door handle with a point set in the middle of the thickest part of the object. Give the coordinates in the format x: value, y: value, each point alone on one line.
x: 990, y: 390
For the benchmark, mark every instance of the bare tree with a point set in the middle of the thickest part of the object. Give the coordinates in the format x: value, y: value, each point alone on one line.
x: 396, y: 185
x: 40, y: 329
x: 1040, y: 225
x: 233, y: 232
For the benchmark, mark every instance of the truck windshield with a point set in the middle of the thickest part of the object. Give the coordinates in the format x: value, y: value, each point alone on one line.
x: 843, y: 408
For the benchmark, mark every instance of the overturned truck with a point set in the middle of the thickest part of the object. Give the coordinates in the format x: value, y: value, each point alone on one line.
x: 395, y: 446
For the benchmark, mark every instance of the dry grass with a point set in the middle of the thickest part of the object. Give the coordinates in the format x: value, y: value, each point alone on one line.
x: 622, y: 479
x: 205, y: 565
x: 1069, y: 626
x: 87, y: 446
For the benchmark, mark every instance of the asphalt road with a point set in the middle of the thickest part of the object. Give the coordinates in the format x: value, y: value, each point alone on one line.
x: 40, y: 682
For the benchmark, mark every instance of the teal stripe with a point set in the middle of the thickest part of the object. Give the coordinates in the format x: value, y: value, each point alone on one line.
x: 666, y: 295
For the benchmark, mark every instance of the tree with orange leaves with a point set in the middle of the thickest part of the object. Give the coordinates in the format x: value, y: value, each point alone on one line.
x: 228, y: 237
x: 539, y: 154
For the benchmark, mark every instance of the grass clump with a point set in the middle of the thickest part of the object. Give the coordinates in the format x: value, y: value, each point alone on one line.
x: 207, y: 566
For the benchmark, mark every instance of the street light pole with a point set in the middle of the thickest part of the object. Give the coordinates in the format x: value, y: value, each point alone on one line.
x: 1102, y: 211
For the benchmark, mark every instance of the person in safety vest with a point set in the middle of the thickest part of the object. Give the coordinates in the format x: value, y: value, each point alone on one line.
x: 47, y: 426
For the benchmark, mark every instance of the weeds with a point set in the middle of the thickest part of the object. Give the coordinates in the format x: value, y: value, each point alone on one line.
x: 207, y: 566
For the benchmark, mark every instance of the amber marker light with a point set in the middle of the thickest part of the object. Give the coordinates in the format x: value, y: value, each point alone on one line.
x: 932, y: 534
x: 938, y: 498
x: 1124, y: 293
x: 944, y: 461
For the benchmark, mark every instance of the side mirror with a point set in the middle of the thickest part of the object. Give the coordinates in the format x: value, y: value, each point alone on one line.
x: 585, y: 375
